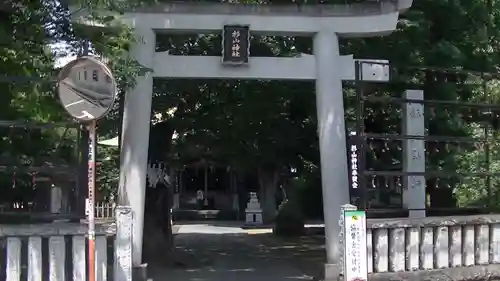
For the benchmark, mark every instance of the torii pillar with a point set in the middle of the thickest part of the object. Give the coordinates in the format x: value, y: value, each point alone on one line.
x: 325, y: 23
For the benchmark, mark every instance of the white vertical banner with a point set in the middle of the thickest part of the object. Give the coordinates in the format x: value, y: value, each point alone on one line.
x: 355, y: 257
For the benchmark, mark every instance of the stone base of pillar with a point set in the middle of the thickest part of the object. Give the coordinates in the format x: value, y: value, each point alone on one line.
x: 332, y: 272
x: 417, y: 214
x: 140, y: 273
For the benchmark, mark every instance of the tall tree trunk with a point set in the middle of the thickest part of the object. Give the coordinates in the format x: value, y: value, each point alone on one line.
x: 268, y: 180
x: 158, y: 238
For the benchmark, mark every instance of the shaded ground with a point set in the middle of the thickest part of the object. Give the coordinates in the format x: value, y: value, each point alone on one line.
x: 228, y: 252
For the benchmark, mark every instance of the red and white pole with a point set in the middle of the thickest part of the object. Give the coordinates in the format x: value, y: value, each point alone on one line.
x: 91, y: 201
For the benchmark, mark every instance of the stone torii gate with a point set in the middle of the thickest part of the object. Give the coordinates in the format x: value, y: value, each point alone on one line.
x: 324, y: 23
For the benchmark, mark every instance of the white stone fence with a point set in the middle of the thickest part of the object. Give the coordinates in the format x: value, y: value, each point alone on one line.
x: 58, y: 251
x: 105, y: 210
x: 433, y: 243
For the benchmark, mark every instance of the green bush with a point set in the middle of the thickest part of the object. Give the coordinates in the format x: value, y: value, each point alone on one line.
x: 310, y: 197
x: 289, y: 219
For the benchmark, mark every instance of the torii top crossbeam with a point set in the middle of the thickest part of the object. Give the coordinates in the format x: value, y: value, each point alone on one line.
x: 370, y: 18
x: 368, y: 7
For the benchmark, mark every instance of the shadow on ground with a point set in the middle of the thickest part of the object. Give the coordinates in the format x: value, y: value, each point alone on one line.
x: 241, y: 256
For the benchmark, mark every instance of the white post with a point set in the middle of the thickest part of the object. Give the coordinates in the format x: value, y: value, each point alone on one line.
x: 135, y: 139
x: 123, y: 244
x: 332, y: 143
x: 414, y: 155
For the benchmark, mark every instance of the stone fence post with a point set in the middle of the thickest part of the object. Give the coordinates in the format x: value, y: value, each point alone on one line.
x: 123, y: 244
x: 414, y: 197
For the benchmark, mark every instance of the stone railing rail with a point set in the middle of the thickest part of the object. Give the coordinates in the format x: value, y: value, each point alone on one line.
x: 452, y: 248
x: 58, y: 251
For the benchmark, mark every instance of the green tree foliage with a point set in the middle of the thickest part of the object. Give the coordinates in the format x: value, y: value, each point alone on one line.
x: 269, y: 127
x: 428, y: 38
x: 34, y: 35
x: 25, y: 32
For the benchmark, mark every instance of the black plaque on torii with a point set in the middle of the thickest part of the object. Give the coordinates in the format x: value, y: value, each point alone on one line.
x: 235, y: 44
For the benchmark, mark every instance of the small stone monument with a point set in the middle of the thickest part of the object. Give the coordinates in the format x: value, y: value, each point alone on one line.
x: 253, y: 211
